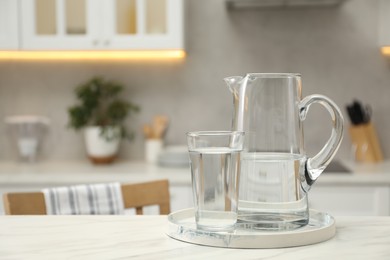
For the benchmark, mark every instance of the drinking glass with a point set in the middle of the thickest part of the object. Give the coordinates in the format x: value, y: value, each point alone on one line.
x: 215, y: 168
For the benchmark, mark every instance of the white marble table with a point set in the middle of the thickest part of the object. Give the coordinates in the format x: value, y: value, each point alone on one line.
x: 143, y: 237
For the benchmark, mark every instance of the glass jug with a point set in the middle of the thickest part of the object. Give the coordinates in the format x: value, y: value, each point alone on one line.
x: 276, y: 174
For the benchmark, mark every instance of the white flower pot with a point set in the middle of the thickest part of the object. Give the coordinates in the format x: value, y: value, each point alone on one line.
x: 99, y: 149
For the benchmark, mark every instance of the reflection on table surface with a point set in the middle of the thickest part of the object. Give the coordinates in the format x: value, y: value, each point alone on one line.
x: 112, y: 237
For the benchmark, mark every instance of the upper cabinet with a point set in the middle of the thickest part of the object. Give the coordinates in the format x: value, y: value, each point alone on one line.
x: 9, y: 25
x: 59, y: 24
x: 142, y: 24
x: 96, y: 24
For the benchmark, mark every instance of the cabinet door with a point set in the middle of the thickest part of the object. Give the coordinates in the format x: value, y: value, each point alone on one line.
x: 59, y: 24
x: 351, y: 200
x: 181, y: 197
x: 143, y: 24
x: 8, y: 24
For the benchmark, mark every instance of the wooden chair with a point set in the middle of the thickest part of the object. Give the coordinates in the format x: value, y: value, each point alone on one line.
x: 134, y: 196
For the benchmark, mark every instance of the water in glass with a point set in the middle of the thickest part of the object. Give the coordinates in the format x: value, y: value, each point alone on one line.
x: 215, y: 177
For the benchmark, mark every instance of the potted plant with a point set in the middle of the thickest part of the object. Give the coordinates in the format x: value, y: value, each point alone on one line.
x: 101, y: 112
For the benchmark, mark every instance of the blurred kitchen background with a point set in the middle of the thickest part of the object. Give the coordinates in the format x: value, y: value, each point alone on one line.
x: 336, y: 49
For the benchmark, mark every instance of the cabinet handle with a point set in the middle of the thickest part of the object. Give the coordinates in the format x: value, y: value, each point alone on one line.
x: 106, y: 42
x: 95, y: 42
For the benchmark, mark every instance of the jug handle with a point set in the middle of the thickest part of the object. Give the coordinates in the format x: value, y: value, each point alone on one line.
x: 315, y: 165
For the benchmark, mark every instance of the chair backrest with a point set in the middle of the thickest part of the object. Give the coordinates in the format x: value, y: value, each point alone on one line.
x: 134, y: 196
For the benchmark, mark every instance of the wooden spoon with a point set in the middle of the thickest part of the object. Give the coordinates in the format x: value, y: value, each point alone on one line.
x: 148, y: 131
x: 160, y: 124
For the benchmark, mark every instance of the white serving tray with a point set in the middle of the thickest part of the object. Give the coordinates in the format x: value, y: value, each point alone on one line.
x: 182, y: 227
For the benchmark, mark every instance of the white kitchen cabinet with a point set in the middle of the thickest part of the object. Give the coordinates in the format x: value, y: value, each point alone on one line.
x: 157, y: 24
x: 101, y: 24
x: 366, y: 191
x: 9, y: 25
x: 356, y: 200
x: 181, y: 197
x: 344, y: 200
x: 59, y: 24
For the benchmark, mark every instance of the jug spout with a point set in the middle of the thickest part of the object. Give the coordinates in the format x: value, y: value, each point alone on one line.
x: 233, y: 83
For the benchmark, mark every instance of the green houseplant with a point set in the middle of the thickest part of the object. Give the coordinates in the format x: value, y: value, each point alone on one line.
x: 101, y: 111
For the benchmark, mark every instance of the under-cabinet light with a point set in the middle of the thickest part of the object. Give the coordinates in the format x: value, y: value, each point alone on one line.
x: 385, y: 50
x: 93, y: 55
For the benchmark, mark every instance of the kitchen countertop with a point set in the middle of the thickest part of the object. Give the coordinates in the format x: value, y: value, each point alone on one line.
x: 84, y: 172
x: 68, y: 172
x: 144, y: 237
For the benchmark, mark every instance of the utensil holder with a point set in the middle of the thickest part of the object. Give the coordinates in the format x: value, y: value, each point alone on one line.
x: 153, y: 148
x: 366, y: 145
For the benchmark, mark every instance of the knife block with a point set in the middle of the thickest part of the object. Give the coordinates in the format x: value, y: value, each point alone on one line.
x: 365, y: 142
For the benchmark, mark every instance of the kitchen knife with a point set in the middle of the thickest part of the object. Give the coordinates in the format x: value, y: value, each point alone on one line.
x: 358, y: 113
x: 352, y: 115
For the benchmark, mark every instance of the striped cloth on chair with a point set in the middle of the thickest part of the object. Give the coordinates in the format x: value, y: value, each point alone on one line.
x: 93, y: 199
